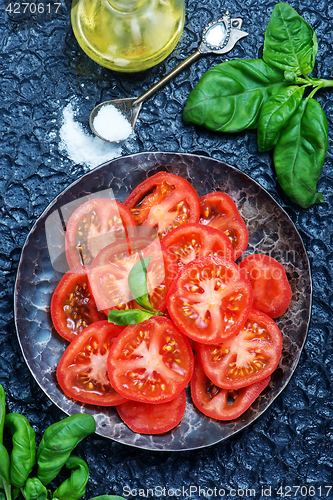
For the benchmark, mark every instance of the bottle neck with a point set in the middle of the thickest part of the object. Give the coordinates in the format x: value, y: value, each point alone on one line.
x: 126, y: 5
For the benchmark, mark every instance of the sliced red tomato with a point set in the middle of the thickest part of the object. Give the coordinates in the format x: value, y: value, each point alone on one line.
x: 146, y: 418
x: 209, y: 301
x: 193, y: 241
x: 219, y: 210
x: 108, y: 275
x: 73, y: 308
x: 164, y: 201
x: 271, y: 289
x: 82, y: 371
x: 151, y: 362
x: 252, y: 355
x: 222, y: 404
x: 93, y: 226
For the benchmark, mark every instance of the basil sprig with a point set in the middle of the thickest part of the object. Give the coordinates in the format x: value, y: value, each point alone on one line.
x: 137, y: 282
x: 23, y: 473
x: 269, y: 94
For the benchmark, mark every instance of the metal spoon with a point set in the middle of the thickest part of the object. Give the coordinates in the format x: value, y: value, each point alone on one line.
x: 218, y: 37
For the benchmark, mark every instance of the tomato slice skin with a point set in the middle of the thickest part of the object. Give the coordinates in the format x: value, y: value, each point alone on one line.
x: 108, y: 274
x: 252, y: 355
x: 218, y: 210
x: 209, y: 301
x: 214, y: 402
x: 151, y: 362
x: 73, y: 308
x: 193, y: 241
x: 146, y: 418
x: 271, y: 290
x: 92, y: 226
x: 164, y: 201
x: 82, y: 369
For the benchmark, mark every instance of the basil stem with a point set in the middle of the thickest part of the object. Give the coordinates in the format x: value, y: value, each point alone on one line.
x: 137, y: 282
x: 58, y: 442
x: 23, y: 455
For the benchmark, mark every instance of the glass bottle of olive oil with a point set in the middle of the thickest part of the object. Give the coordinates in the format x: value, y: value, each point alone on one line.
x: 127, y: 35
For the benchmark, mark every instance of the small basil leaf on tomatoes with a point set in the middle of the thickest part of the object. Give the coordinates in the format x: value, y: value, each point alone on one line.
x: 209, y: 301
x: 137, y: 282
x: 222, y: 404
x: 131, y: 316
x: 250, y: 356
x: 151, y: 362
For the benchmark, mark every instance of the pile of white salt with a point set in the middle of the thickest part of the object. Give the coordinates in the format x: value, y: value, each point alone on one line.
x: 81, y: 146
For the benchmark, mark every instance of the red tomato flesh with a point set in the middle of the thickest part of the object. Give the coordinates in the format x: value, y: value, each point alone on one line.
x: 73, y: 308
x: 164, y: 201
x: 271, y: 289
x: 151, y: 362
x: 108, y: 274
x: 146, y: 418
x: 209, y: 301
x: 252, y: 355
x: 82, y: 371
x: 93, y: 226
x: 222, y: 404
x: 194, y: 241
x: 219, y: 210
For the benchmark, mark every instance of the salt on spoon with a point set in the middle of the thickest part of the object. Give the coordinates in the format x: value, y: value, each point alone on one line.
x: 111, y: 124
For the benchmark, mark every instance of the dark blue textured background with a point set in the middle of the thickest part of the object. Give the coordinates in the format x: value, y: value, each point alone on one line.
x: 41, y: 69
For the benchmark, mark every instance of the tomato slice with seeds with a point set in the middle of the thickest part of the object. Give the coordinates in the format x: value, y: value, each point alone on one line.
x: 82, y: 371
x: 108, y: 275
x: 73, y: 308
x: 271, y: 289
x: 194, y: 241
x: 93, y: 226
x: 222, y: 404
x: 252, y: 355
x: 218, y: 210
x: 210, y: 301
x: 146, y: 418
x: 151, y: 362
x: 164, y: 201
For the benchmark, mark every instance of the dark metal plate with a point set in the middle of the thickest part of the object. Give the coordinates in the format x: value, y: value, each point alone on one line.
x: 271, y: 231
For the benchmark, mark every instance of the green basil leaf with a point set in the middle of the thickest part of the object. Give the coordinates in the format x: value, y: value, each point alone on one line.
x: 34, y: 490
x: 300, y: 153
x: 4, y: 464
x: 58, y: 442
x: 74, y: 487
x: 275, y: 113
x: 137, y: 282
x: 131, y: 316
x: 290, y: 42
x: 23, y: 455
x: 2, y: 412
x: 228, y: 97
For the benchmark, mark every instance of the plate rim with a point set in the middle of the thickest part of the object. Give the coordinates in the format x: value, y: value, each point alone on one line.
x: 180, y: 154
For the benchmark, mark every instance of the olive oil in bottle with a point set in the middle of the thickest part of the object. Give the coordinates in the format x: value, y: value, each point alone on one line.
x: 127, y: 35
